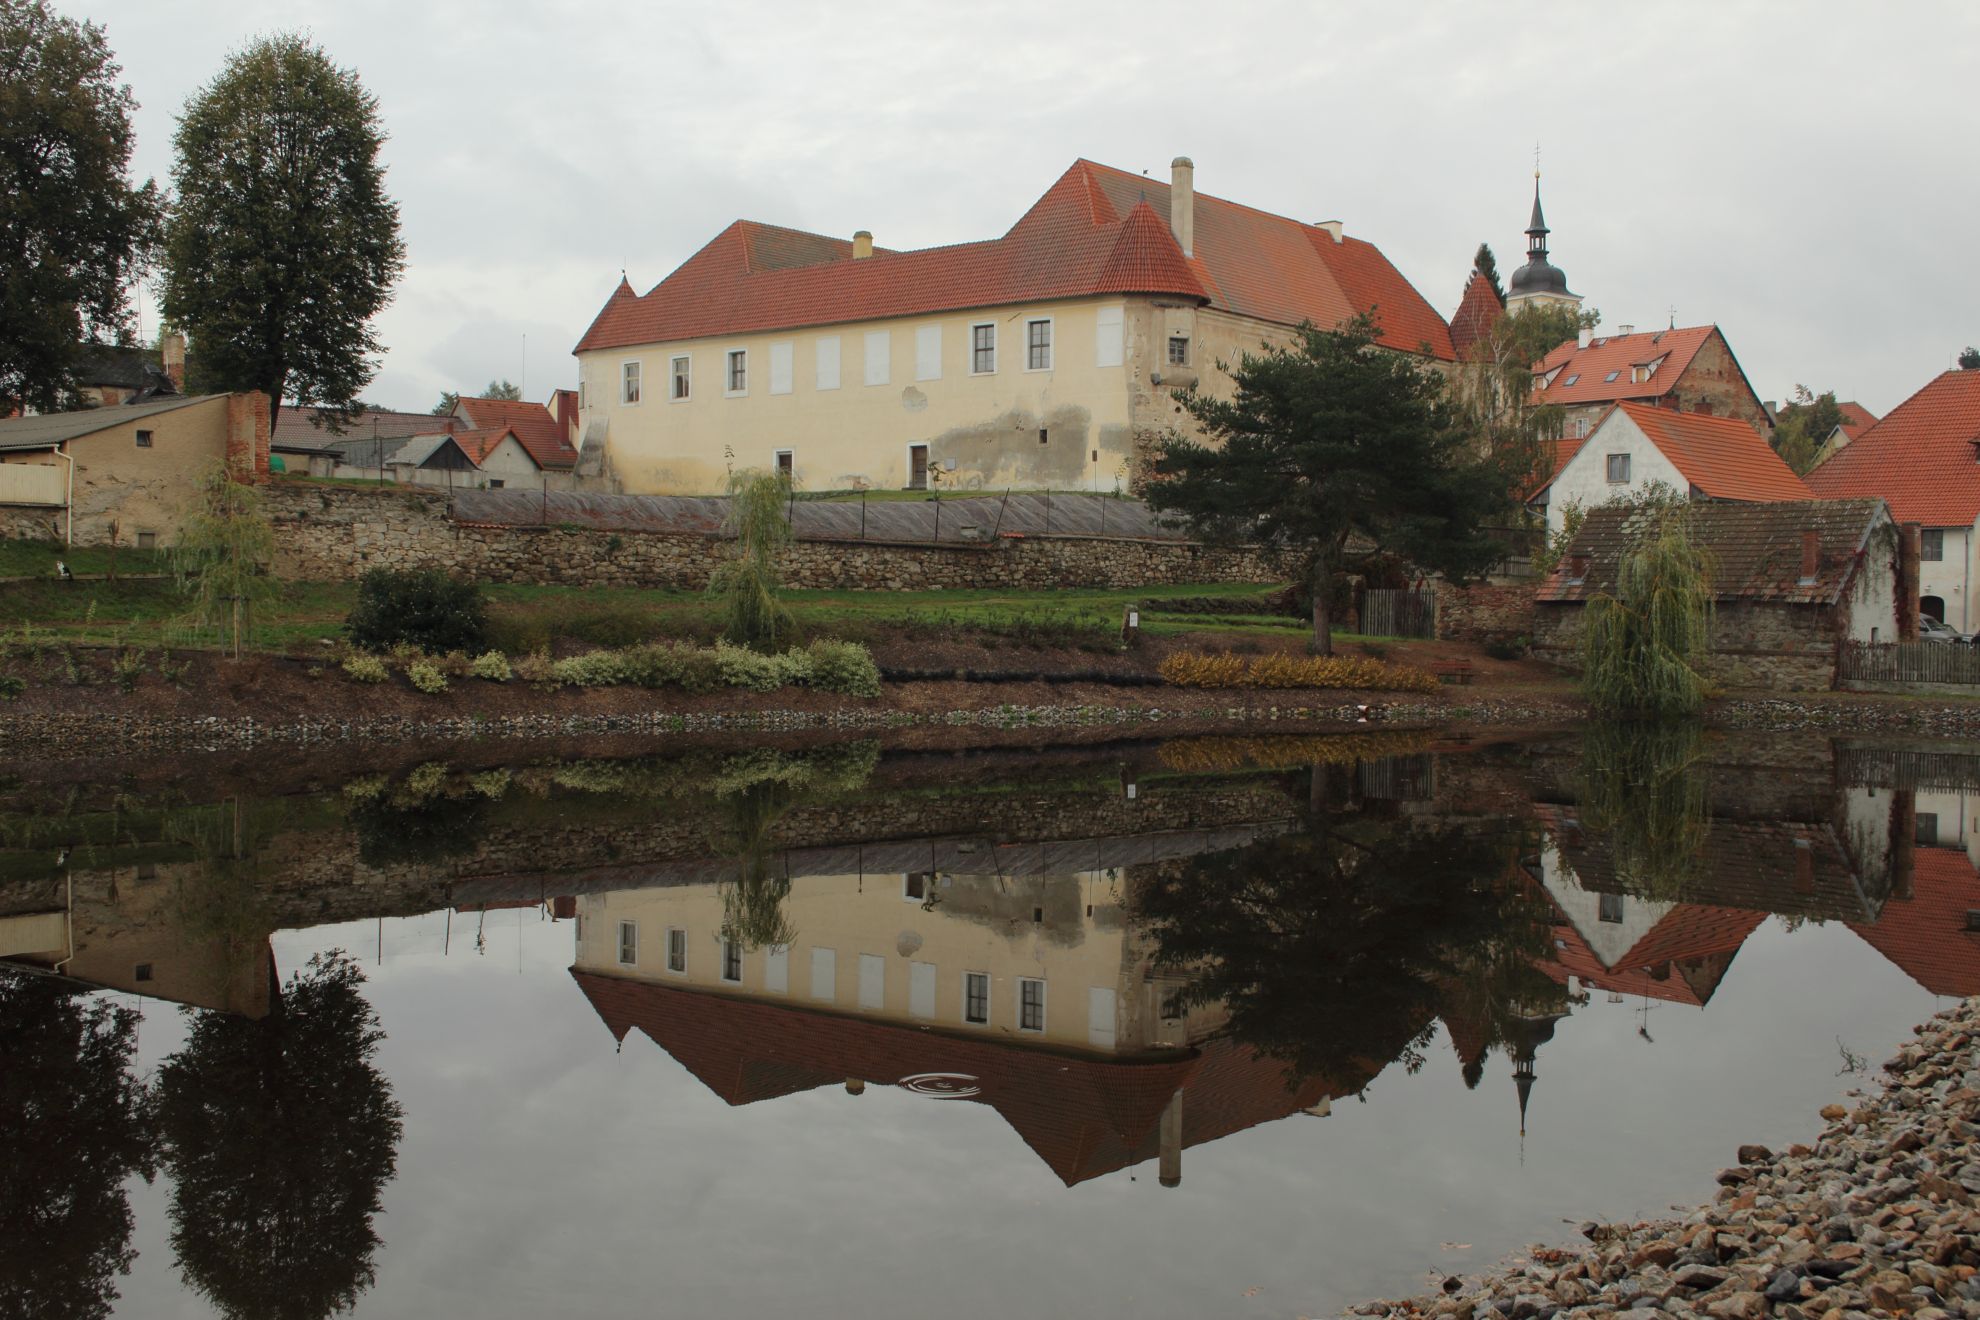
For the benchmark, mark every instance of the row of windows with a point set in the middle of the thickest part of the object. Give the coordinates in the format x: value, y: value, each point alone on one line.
x: 976, y: 990
x: 878, y: 370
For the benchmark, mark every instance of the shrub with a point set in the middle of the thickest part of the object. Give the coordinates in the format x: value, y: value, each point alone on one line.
x: 426, y: 676
x: 667, y: 664
x: 592, y: 669
x: 1195, y: 669
x: 423, y: 608
x: 536, y: 667
x: 760, y: 673
x: 845, y: 667
x: 127, y: 667
x: 365, y: 669
x: 493, y: 666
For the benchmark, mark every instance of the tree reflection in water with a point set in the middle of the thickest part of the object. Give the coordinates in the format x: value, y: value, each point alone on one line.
x: 1643, y: 789
x: 1335, y: 947
x: 75, y: 1125
x: 280, y: 1135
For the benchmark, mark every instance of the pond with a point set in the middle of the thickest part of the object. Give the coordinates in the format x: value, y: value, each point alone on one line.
x: 1212, y: 1027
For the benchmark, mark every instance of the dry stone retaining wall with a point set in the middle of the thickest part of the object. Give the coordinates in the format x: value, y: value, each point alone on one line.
x: 1484, y: 613
x: 337, y: 533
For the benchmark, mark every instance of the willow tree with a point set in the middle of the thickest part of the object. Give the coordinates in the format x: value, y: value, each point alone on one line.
x: 747, y: 584
x: 1643, y: 792
x: 1644, y: 645
x: 222, y: 555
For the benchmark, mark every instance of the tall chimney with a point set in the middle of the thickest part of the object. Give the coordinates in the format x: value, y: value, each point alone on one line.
x: 1182, y: 203
x: 1907, y: 583
x: 1811, y: 557
x: 862, y: 245
x: 1172, y: 1141
x: 172, y: 352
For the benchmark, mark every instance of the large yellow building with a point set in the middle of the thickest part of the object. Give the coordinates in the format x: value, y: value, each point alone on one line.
x: 1042, y: 359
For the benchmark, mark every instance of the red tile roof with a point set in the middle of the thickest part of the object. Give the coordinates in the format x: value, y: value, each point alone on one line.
x: 478, y: 445
x: 1856, y: 419
x: 1580, y: 375
x: 1925, y: 935
x: 536, y: 430
x: 1096, y: 230
x: 1565, y: 449
x: 1477, y: 313
x: 306, y: 427
x: 1921, y: 458
x: 1721, y: 456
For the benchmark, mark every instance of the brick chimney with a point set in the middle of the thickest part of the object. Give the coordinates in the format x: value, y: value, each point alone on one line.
x: 172, y: 352
x: 1907, y: 583
x: 862, y: 245
x: 1811, y: 557
x: 247, y: 437
x: 1182, y: 203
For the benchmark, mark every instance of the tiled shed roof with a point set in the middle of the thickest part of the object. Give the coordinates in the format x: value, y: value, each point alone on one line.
x: 1756, y: 549
x: 1096, y: 230
x: 1923, y: 458
x: 1721, y: 456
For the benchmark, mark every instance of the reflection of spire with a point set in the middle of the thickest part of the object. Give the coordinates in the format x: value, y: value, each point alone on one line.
x: 1524, y: 1037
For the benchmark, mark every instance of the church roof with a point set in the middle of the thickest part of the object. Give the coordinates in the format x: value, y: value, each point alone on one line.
x: 1477, y: 313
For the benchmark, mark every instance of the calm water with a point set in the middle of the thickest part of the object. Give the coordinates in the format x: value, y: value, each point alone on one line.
x: 1221, y: 1027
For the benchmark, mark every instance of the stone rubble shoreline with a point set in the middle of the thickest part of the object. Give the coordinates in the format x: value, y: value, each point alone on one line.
x: 1877, y: 1218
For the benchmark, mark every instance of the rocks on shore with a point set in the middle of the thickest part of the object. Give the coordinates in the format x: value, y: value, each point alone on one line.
x: 1878, y: 1218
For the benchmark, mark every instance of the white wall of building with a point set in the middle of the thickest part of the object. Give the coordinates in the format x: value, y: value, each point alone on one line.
x: 1951, y: 577
x: 1585, y: 479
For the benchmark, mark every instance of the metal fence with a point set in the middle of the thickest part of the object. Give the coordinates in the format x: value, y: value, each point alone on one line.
x: 1398, y: 612
x: 1910, y: 662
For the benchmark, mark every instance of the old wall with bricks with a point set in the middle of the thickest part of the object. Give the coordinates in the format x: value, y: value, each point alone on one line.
x: 1486, y: 612
x: 336, y: 533
x: 1754, y: 644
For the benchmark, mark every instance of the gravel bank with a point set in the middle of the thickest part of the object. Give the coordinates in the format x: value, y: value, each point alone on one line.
x: 1878, y: 1218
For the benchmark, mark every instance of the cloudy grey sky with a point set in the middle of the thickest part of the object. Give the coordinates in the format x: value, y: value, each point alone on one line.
x: 1802, y: 175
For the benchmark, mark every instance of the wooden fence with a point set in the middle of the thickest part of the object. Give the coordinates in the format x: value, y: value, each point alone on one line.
x: 1910, y: 662
x: 1391, y: 612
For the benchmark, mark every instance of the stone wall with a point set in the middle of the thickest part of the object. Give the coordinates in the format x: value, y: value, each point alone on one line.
x: 23, y: 524
x: 335, y: 533
x: 1484, y: 613
x: 1781, y: 647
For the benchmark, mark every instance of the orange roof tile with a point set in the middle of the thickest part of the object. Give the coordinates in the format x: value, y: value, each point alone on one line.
x: 1856, y: 419
x: 1926, y: 935
x: 1721, y: 456
x: 1096, y: 230
x: 1583, y: 374
x: 478, y: 445
x: 535, y: 429
x: 1921, y: 458
x: 1477, y: 313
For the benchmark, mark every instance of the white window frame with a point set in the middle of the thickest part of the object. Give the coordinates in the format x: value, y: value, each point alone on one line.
x: 672, y: 932
x: 730, y: 947
x: 1051, y: 340
x: 928, y: 351
x: 907, y: 878
x: 1018, y: 1003
x: 777, y: 458
x: 974, y: 326
x: 1609, y: 469
x: 635, y: 380
x: 729, y: 356
x: 680, y: 373
x: 1110, y: 336
x: 826, y: 961
x: 627, y: 928
x: 783, y: 366
x: 877, y: 368
x: 1937, y: 554
x: 584, y: 392
x: 989, y: 994
x: 1169, y: 352
x: 826, y: 350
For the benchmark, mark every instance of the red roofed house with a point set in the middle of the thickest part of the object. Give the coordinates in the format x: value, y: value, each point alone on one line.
x: 547, y: 433
x: 1031, y: 360
x: 1637, y: 445
x: 1689, y: 369
x: 1923, y: 459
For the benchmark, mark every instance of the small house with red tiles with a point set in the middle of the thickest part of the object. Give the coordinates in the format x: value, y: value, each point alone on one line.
x: 1047, y: 358
x: 1923, y: 459
x: 1685, y: 369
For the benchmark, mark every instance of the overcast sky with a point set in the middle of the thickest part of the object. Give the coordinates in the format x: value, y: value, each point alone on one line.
x: 1802, y: 175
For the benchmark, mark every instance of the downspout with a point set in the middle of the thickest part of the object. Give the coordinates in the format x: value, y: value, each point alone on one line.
x: 69, y: 500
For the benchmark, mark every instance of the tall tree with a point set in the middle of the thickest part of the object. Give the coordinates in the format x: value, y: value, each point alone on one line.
x: 74, y: 233
x: 281, y: 1135
x: 76, y: 1126
x: 502, y: 389
x: 448, y: 400
x: 1332, y: 438
x: 1803, y: 425
x: 1488, y: 266
x: 1969, y: 359
x: 282, y: 245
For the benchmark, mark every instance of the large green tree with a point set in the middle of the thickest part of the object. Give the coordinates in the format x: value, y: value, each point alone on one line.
x: 74, y: 232
x: 282, y: 244
x: 1803, y: 425
x: 1330, y: 439
x: 1488, y: 266
x: 280, y: 1135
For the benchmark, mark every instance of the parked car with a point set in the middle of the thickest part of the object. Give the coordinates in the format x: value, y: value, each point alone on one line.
x: 1932, y: 630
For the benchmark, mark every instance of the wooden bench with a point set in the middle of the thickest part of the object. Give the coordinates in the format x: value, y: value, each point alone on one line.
x: 1452, y: 671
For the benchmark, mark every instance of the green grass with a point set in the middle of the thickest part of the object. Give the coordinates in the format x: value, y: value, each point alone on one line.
x: 882, y: 496
x: 37, y: 559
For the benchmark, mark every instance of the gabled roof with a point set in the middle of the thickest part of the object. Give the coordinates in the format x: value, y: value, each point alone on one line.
x: 1756, y: 549
x: 1921, y: 458
x: 1581, y: 375
x: 1856, y: 419
x: 478, y: 445
x: 418, y: 450
x: 1477, y: 313
x: 46, y: 430
x: 1721, y: 456
x: 124, y: 366
x: 1097, y: 230
x: 1564, y: 450
x: 535, y: 429
x: 1926, y: 935
x: 309, y: 428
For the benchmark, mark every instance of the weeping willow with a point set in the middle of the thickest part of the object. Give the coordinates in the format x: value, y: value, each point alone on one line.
x: 747, y: 584
x: 1641, y: 648
x: 753, y: 912
x: 1643, y: 795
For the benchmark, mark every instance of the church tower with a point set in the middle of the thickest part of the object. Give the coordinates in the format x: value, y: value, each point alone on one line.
x: 1538, y: 283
